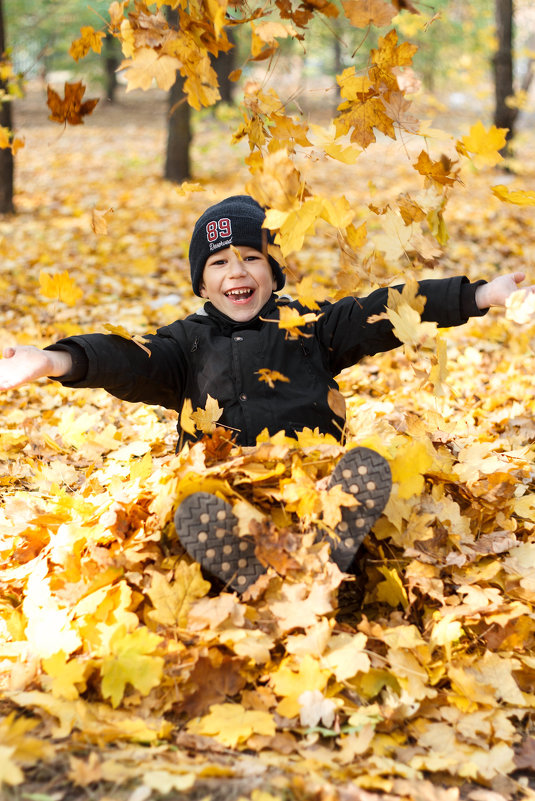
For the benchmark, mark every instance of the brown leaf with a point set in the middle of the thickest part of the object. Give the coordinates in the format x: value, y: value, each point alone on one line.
x: 70, y: 109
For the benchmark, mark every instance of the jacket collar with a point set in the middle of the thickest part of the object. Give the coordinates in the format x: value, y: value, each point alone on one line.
x: 227, y: 324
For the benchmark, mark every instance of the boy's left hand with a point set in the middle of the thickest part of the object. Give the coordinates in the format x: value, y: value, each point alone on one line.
x: 496, y: 292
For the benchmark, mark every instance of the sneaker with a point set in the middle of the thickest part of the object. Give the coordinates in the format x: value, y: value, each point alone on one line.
x: 365, y: 474
x: 208, y: 529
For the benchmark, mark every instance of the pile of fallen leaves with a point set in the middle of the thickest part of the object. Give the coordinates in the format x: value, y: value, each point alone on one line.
x: 124, y: 674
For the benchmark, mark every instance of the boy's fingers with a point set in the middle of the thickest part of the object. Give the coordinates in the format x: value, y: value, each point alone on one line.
x: 518, y: 277
x: 8, y: 352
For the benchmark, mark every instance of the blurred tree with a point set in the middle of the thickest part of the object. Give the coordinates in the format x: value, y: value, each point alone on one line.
x: 179, y: 134
x: 6, y: 156
x: 504, y: 114
x: 506, y: 109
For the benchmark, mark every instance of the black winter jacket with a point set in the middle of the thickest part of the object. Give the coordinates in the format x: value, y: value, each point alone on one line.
x: 209, y: 354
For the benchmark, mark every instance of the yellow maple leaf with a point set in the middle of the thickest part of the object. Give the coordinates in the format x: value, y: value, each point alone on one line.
x: 332, y: 501
x: 205, y: 419
x: 270, y: 376
x: 121, y: 331
x: 131, y: 661
x: 484, y: 145
x: 290, y: 320
x: 172, y: 599
x: 363, y: 13
x: 391, y: 590
x: 59, y: 287
x: 146, y: 66
x: 413, y: 460
x: 290, y: 680
x: 65, y: 676
x: 518, y: 197
x: 408, y: 327
x: 14, y: 732
x: 232, y: 724
x: 89, y: 40
x: 10, y: 772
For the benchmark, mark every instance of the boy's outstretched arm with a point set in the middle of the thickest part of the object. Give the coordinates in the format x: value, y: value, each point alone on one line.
x: 23, y: 363
x: 496, y: 292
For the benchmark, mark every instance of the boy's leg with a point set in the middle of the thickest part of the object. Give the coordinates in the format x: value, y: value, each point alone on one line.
x: 208, y: 529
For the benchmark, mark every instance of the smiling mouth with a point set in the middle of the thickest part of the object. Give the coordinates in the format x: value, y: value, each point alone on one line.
x: 239, y: 294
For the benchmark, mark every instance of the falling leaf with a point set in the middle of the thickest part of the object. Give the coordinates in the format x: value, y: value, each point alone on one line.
x: 59, y: 287
x: 99, y: 222
x: 362, y: 13
x: 70, y: 109
x: 89, y: 40
x: 485, y: 145
x: 270, y: 376
x: 516, y: 196
x: 205, y: 419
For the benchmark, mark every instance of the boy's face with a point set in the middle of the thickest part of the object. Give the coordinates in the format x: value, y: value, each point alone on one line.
x: 238, y: 286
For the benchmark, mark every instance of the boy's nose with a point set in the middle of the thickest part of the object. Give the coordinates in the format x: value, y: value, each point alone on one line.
x: 236, y: 264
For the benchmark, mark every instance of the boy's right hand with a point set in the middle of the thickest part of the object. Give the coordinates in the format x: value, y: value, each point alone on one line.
x: 23, y: 363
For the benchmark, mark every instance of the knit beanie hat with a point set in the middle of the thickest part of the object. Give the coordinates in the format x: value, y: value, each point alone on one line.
x: 237, y: 220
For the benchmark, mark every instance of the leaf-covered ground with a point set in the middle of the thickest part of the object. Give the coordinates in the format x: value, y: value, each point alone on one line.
x: 122, y: 674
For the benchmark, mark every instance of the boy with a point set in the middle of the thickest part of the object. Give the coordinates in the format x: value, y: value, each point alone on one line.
x: 220, y: 351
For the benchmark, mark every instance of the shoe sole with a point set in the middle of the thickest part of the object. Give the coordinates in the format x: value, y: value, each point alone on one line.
x: 208, y: 529
x: 365, y: 474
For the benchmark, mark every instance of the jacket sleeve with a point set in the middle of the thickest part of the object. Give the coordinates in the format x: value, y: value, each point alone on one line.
x: 126, y: 370
x: 348, y: 336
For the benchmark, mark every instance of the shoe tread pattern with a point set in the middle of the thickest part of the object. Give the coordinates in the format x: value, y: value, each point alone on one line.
x: 206, y: 527
x: 371, y: 474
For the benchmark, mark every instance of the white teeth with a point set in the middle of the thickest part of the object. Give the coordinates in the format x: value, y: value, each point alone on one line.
x: 239, y: 292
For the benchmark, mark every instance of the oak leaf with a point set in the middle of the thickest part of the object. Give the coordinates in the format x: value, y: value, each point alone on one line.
x: 70, y: 109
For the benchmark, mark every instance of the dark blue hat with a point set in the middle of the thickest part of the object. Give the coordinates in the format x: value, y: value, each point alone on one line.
x: 237, y: 220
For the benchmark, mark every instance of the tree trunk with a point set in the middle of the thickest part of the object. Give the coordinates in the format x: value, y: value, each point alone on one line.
x: 111, y: 62
x: 223, y: 65
x: 504, y: 117
x: 177, y: 161
x: 6, y: 156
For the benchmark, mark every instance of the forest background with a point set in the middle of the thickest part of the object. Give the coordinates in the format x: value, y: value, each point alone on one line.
x: 122, y: 675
